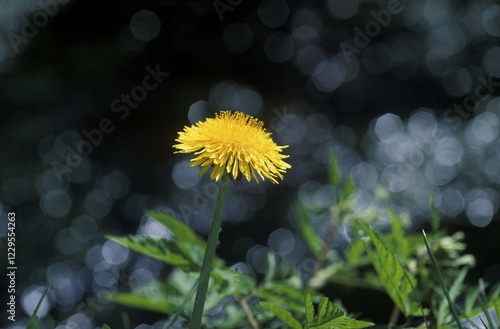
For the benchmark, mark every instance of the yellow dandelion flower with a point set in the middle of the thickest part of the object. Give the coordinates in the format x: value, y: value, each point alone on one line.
x: 233, y: 143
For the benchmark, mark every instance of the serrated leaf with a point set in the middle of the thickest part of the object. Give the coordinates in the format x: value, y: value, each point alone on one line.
x: 311, y: 238
x: 309, y: 308
x: 343, y: 322
x: 282, y: 314
x: 390, y: 272
x: 356, y: 255
x: 330, y: 316
x: 326, y: 312
x: 181, y: 231
x: 323, y: 304
x: 164, y: 250
x: 186, y: 239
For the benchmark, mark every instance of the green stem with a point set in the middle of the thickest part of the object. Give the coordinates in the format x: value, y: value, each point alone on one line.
x: 208, y: 259
x: 442, y: 282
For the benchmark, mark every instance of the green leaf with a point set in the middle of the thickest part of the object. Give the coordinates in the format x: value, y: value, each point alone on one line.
x: 182, y: 306
x: 434, y: 215
x: 271, y: 267
x: 231, y: 282
x: 333, y: 169
x: 167, y: 297
x: 105, y: 326
x: 471, y: 299
x: 282, y: 293
x: 33, y: 323
x: 311, y: 238
x: 442, y: 281
x: 390, y: 272
x: 398, y: 235
x: 155, y: 297
x: 343, y: 322
x: 282, y: 285
x: 186, y: 239
x: 496, y: 305
x: 326, y: 312
x: 330, y: 316
x: 167, y: 251
x: 181, y: 231
x: 345, y: 202
x: 454, y: 291
x: 484, y: 305
x: 322, y: 306
x: 309, y: 308
x: 355, y: 254
x: 283, y: 314
x: 348, y: 190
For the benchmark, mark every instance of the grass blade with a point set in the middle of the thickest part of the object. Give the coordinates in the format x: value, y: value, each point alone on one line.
x: 416, y: 295
x: 181, y: 307
x: 441, y: 281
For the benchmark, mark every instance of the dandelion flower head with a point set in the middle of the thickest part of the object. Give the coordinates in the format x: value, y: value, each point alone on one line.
x: 234, y: 143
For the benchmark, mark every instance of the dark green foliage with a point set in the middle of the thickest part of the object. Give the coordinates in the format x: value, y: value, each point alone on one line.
x: 281, y: 285
x: 392, y: 260
x: 391, y: 272
x: 388, y: 259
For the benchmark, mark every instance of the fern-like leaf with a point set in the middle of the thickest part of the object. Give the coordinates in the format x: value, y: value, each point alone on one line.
x: 330, y: 316
x: 327, y: 311
x: 309, y: 308
x: 391, y: 273
x: 343, y: 322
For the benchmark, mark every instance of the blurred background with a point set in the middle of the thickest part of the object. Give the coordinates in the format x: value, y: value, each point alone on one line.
x: 92, y: 96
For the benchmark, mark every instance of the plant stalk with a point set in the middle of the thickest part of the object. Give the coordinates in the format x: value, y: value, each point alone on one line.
x: 208, y: 259
x: 332, y: 228
x: 393, y: 320
x: 248, y: 312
